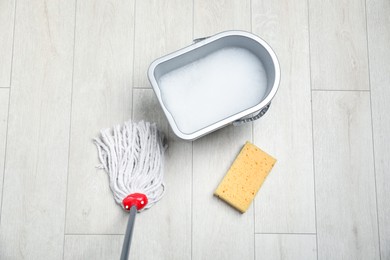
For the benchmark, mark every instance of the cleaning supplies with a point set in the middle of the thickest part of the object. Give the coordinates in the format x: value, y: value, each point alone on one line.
x: 245, y: 177
x: 133, y: 155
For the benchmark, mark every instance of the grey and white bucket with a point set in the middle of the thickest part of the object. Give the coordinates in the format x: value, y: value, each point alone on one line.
x: 228, y: 78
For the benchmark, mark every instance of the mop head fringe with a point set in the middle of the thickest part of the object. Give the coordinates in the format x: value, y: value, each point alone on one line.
x: 132, y: 155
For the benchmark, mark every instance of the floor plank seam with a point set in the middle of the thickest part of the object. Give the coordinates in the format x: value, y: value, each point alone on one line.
x: 375, y: 181
x: 253, y: 141
x: 312, y: 125
x: 8, y: 112
x: 90, y: 234
x: 5, y: 155
x: 192, y: 198
x: 192, y: 159
x: 140, y: 88
x: 372, y: 132
x: 70, y: 125
x: 133, y: 72
x: 340, y: 90
x: 13, y: 46
x: 295, y: 233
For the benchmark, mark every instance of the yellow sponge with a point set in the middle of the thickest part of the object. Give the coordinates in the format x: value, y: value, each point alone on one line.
x: 245, y: 177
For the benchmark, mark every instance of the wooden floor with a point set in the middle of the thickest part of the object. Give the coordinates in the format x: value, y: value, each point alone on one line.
x: 71, y: 68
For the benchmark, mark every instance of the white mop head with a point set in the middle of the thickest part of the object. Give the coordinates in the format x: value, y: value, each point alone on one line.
x: 132, y: 155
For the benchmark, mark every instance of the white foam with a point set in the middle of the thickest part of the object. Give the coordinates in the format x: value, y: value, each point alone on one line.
x: 213, y: 88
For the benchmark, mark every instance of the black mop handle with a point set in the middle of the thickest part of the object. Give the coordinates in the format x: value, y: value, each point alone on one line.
x: 129, y: 234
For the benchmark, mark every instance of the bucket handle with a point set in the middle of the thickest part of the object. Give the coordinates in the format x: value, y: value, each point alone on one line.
x: 253, y: 118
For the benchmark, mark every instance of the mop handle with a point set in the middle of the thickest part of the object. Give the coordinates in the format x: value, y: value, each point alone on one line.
x: 129, y: 234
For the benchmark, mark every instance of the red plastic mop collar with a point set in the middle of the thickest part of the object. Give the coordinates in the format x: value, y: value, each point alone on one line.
x: 135, y: 199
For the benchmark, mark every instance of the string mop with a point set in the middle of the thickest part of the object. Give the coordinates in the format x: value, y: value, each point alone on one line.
x: 132, y: 155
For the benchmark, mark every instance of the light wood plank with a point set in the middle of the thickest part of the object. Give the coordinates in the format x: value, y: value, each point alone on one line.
x: 4, y: 98
x: 81, y: 247
x: 212, y: 17
x: 7, y: 12
x: 285, y: 203
x: 344, y: 170
x: 102, y: 98
x: 286, y: 246
x: 338, y: 45
x: 219, y: 231
x: 161, y: 28
x: 147, y: 108
x: 164, y: 231
x: 34, y: 193
x: 378, y: 22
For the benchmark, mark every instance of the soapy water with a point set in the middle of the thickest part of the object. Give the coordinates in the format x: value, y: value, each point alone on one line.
x: 213, y: 88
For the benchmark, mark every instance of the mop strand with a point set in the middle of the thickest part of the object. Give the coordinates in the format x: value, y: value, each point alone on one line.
x: 132, y: 155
